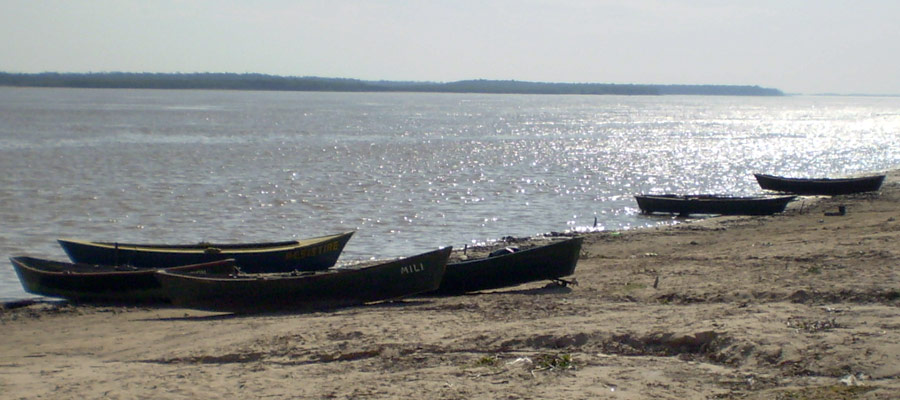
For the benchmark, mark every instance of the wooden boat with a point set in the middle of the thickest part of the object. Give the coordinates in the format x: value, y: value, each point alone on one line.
x: 307, y: 290
x: 512, y: 266
x: 712, y: 204
x: 100, y: 283
x: 304, y: 255
x: 820, y: 186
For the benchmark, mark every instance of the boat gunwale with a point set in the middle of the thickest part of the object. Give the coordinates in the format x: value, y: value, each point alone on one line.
x: 189, y: 267
x: 200, y: 248
x: 553, y: 241
x: 281, y: 276
x: 714, y: 197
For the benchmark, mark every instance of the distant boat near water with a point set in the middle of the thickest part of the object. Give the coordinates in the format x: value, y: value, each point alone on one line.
x: 712, y: 204
x: 310, y: 254
x: 820, y: 186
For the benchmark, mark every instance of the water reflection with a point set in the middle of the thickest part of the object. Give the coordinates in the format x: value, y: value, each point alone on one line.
x: 409, y: 171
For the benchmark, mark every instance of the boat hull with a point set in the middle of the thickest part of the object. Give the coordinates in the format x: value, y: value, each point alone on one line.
x: 552, y: 261
x: 303, y: 255
x: 820, y: 186
x: 709, y: 204
x: 304, y: 291
x: 87, y: 283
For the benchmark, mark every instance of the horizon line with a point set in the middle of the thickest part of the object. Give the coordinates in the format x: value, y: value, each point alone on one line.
x: 848, y: 94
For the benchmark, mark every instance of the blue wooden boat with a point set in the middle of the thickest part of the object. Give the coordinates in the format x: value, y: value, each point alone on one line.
x: 310, y: 254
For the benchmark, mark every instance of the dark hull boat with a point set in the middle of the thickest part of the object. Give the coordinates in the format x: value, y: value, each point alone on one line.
x: 510, y: 268
x: 100, y: 283
x: 311, y: 290
x: 711, y: 204
x: 303, y: 255
x: 820, y: 186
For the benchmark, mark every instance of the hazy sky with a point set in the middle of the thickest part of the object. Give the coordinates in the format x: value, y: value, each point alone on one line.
x: 798, y: 46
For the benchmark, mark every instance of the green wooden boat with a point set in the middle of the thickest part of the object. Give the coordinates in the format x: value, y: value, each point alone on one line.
x: 512, y: 266
x: 337, y: 287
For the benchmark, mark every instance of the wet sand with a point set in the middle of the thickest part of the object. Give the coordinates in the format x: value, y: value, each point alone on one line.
x: 798, y: 305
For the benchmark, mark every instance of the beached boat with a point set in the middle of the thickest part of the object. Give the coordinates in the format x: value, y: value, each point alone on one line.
x: 511, y: 266
x: 310, y: 254
x: 100, y: 283
x: 712, y: 204
x: 820, y: 186
x: 335, y: 287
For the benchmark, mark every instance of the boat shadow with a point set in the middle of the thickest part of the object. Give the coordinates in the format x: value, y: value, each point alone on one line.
x: 550, y: 288
x: 277, y: 313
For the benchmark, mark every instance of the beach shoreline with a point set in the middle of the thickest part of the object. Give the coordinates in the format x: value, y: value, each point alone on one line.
x: 796, y: 304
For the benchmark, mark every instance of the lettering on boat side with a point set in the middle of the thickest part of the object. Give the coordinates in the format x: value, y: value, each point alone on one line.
x: 411, y: 269
x: 312, y: 251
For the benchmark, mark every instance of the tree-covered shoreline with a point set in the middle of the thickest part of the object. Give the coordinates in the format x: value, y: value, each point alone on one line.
x: 231, y: 81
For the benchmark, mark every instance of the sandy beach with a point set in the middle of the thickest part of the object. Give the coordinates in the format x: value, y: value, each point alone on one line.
x: 801, y: 305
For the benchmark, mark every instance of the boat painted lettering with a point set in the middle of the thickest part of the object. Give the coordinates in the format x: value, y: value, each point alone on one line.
x: 410, y: 269
x: 312, y: 251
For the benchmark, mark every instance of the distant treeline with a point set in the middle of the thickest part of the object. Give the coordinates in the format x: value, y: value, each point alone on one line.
x: 223, y: 81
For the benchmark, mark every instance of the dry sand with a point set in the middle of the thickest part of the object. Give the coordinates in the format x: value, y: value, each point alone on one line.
x: 794, y: 306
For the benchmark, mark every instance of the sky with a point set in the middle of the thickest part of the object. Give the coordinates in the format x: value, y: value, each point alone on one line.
x: 798, y: 46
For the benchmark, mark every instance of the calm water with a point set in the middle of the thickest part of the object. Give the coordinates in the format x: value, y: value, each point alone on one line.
x: 409, y: 172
